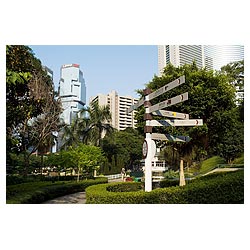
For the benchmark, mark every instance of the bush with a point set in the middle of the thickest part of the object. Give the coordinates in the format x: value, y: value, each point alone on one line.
x: 38, y: 192
x: 169, y: 183
x: 18, y: 179
x: 115, y: 193
x: 226, y: 188
x: 239, y: 160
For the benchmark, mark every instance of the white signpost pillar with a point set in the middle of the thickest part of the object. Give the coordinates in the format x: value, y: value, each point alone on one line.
x: 149, y: 147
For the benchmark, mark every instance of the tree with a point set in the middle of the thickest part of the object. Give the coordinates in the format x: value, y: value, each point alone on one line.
x: 70, y: 135
x: 209, y: 93
x: 125, y: 146
x: 32, y: 111
x: 86, y: 158
x: 234, y: 71
x: 97, y: 122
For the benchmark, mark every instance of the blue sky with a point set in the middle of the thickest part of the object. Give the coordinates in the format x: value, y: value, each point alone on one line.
x: 123, y: 68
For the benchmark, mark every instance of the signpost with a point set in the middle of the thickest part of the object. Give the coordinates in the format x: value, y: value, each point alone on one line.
x: 169, y: 102
x: 168, y: 137
x: 158, y: 92
x: 175, y: 123
x: 167, y: 87
x: 149, y: 147
x: 171, y: 114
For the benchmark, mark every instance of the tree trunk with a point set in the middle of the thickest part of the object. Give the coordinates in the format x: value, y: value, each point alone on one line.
x: 78, y: 174
x: 26, y: 163
x: 182, y: 177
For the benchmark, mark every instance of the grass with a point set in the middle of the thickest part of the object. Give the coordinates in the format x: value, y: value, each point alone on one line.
x: 210, y: 164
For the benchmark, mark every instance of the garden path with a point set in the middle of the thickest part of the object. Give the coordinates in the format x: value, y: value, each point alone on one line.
x: 76, y: 198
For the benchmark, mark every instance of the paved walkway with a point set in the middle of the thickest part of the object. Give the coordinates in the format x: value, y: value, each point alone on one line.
x: 76, y: 198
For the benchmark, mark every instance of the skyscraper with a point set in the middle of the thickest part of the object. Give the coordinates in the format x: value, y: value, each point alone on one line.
x: 209, y: 56
x: 118, y: 106
x: 179, y: 55
x: 72, y: 91
x: 217, y: 56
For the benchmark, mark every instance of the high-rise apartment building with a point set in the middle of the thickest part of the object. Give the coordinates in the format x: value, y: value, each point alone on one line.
x: 72, y: 91
x: 118, y: 106
x: 209, y: 56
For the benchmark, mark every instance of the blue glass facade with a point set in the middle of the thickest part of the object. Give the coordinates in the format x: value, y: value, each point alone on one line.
x: 72, y: 91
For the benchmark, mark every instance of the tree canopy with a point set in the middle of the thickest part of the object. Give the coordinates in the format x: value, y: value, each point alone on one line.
x: 211, y: 97
x: 125, y: 146
x: 32, y: 112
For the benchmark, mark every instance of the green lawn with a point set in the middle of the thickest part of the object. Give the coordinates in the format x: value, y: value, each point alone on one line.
x: 211, y: 164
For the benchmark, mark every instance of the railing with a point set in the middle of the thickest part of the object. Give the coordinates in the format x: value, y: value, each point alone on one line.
x: 113, y: 176
x: 230, y: 166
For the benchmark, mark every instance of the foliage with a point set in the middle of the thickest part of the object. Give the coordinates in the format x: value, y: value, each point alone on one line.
x: 124, y: 147
x: 85, y: 157
x: 235, y: 73
x: 38, y: 192
x: 70, y: 135
x: 211, y: 97
x: 239, y: 160
x: 219, y: 189
x: 18, y: 179
x: 89, y: 127
x: 32, y: 113
x: 94, y: 125
x: 170, y: 174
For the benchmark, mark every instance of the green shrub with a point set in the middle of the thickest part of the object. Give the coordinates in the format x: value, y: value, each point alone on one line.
x: 169, y: 183
x: 116, y: 193
x: 227, y: 188
x: 125, y: 187
x: 38, y: 192
x: 239, y: 160
x: 18, y: 179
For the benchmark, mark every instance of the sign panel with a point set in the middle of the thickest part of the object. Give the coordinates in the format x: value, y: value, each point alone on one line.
x: 175, y: 123
x: 168, y: 137
x: 167, y: 87
x: 171, y: 114
x: 177, y: 82
x: 169, y: 102
x: 135, y: 106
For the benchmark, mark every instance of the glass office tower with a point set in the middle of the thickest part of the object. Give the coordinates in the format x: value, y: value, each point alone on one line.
x: 72, y: 91
x: 209, y: 56
x: 217, y: 56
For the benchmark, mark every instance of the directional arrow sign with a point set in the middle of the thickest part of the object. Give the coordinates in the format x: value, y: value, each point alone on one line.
x: 175, y: 123
x: 171, y: 114
x: 169, y: 102
x: 135, y: 106
x: 167, y: 87
x: 168, y: 137
x: 158, y: 92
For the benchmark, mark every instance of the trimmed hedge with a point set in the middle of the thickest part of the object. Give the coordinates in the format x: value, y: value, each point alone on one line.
x: 38, y: 192
x: 17, y: 179
x: 219, y: 189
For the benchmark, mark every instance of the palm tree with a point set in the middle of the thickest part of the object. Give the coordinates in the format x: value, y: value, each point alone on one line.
x: 96, y: 124
x: 70, y: 134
